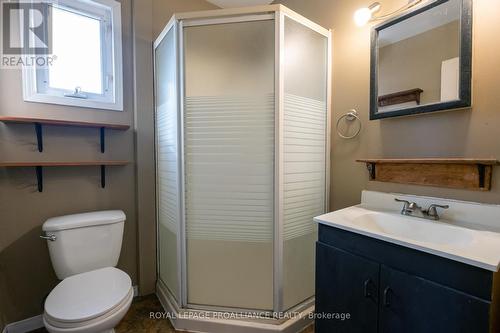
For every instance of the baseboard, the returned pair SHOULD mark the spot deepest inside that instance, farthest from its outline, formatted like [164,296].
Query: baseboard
[25,325]
[36,322]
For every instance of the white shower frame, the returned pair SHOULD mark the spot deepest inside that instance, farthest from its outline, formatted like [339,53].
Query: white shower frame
[278,13]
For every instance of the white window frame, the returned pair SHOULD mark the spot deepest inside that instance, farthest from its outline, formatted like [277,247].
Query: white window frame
[34,78]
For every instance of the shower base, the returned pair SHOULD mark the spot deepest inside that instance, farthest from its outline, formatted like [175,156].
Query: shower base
[209,321]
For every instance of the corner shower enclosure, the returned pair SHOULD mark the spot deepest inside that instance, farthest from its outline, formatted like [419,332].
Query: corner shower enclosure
[242,155]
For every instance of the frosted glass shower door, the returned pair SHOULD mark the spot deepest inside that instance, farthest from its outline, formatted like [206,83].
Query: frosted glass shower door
[304,155]
[167,161]
[229,163]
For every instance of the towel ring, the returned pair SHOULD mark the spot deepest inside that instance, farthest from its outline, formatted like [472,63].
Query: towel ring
[352,115]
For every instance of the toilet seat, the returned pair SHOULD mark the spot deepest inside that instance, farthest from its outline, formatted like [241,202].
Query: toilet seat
[90,298]
[104,323]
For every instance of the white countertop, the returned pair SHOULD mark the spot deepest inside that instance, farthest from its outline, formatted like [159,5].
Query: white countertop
[468,232]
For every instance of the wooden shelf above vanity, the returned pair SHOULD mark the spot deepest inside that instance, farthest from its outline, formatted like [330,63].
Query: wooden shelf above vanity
[461,173]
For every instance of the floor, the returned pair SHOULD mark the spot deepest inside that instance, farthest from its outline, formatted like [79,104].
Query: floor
[137,319]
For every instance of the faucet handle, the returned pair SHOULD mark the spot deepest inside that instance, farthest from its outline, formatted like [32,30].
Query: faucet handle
[405,206]
[401,200]
[432,211]
[414,206]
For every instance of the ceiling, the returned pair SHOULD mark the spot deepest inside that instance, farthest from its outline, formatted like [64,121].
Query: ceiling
[239,3]
[428,20]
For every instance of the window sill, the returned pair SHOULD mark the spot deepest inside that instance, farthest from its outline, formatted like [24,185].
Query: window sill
[79,102]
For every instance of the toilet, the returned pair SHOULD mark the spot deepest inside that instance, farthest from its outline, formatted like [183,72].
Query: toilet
[93,295]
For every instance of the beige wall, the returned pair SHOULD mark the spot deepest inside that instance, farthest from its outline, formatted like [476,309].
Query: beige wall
[408,64]
[144,143]
[26,274]
[470,133]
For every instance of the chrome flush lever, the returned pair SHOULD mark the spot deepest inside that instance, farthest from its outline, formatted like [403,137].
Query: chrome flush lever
[49,237]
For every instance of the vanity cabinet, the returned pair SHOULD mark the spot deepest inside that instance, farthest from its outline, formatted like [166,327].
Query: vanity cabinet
[392,289]
[346,283]
[412,304]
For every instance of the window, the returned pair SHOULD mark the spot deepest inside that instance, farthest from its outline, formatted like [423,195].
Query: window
[86,70]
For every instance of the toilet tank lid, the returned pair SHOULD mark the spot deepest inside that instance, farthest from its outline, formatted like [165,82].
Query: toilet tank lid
[83,220]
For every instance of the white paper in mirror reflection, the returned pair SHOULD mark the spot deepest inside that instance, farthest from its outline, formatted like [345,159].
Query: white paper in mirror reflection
[450,75]
[420,53]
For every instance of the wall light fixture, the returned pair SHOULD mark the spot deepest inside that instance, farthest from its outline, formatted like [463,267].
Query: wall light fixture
[367,14]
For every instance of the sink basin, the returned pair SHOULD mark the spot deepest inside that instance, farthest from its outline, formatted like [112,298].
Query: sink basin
[415,229]
[468,232]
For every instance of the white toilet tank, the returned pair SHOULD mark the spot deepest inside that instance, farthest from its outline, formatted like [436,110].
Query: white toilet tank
[84,242]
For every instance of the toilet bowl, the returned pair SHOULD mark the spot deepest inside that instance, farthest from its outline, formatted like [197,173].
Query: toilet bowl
[93,295]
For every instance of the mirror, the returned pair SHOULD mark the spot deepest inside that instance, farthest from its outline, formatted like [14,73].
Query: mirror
[421,61]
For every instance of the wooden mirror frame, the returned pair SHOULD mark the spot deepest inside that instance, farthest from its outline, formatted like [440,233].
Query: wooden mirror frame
[465,85]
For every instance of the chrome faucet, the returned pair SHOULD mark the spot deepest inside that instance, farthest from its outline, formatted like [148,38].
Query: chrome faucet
[413,209]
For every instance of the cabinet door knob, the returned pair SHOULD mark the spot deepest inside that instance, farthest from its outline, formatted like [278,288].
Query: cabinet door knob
[366,290]
[386,301]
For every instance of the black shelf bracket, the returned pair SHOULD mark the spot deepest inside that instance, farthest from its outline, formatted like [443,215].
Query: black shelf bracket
[101,132]
[103,176]
[39,139]
[371,170]
[39,177]
[482,171]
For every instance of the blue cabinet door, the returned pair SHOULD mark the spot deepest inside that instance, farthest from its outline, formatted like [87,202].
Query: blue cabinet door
[412,304]
[346,284]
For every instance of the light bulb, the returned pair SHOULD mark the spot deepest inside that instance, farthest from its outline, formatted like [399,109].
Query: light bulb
[362,16]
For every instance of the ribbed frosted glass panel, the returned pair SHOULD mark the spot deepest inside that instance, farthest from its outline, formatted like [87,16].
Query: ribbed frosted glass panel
[167,160]
[229,158]
[304,163]
[229,163]
[168,167]
[304,154]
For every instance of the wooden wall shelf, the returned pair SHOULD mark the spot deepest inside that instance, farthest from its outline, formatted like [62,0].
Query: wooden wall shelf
[412,95]
[54,122]
[462,173]
[62,164]
[38,122]
[39,167]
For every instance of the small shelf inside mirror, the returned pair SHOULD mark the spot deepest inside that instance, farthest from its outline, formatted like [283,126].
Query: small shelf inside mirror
[400,97]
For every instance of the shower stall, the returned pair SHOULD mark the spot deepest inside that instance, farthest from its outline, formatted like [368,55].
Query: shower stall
[242,155]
